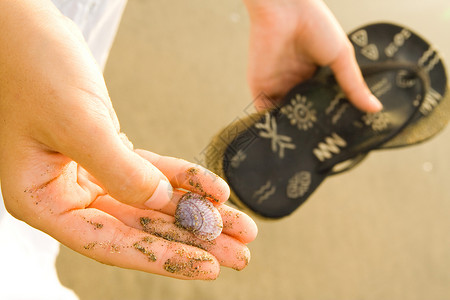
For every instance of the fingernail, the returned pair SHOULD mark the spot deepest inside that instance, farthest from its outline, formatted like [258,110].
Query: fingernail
[161,196]
[376,103]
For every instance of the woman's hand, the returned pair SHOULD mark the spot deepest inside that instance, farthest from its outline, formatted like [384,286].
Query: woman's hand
[66,169]
[289,39]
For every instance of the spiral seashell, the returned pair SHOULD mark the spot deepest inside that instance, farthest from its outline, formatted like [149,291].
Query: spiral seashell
[198,215]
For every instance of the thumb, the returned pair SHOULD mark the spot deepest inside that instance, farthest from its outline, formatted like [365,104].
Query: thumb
[123,174]
[349,77]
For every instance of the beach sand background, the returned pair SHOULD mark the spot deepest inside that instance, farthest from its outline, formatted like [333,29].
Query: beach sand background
[177,75]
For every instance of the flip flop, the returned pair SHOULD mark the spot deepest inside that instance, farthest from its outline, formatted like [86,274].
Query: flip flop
[274,160]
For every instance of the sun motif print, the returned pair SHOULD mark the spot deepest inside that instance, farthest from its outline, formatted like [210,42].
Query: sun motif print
[300,112]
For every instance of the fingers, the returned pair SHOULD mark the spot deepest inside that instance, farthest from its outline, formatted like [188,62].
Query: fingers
[192,177]
[350,79]
[235,223]
[108,240]
[189,176]
[238,224]
[148,240]
[59,209]
[228,250]
[141,179]
[120,171]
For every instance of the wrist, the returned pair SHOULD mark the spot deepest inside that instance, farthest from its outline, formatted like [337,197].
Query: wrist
[267,10]
[258,9]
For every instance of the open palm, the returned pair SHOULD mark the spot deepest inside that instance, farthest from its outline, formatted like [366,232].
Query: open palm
[66,169]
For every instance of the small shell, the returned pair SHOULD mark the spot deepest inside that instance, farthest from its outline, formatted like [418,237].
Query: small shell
[196,214]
